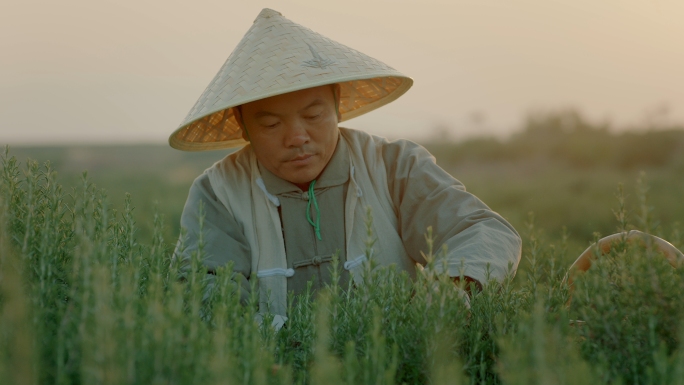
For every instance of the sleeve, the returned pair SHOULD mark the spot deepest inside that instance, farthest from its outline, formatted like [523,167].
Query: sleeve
[480,243]
[223,239]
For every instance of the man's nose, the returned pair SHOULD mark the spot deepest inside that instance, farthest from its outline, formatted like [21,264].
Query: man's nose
[296,135]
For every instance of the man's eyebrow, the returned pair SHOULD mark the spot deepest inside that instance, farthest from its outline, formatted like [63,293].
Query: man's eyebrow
[261,114]
[315,102]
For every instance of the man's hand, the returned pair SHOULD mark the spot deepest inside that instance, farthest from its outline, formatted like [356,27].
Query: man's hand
[470,283]
[277,323]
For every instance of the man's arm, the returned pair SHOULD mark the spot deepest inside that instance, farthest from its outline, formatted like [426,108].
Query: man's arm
[479,241]
[223,239]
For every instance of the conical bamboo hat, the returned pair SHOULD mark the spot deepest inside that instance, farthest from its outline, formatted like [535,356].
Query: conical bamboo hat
[277,56]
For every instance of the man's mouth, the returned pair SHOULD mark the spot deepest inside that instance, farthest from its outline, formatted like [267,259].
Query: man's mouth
[301,159]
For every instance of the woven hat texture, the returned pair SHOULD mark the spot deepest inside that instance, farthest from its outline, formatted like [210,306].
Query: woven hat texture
[277,56]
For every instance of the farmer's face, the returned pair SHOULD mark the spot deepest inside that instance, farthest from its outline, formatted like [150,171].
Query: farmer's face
[293,135]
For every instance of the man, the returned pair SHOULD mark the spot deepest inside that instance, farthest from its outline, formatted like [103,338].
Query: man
[300,189]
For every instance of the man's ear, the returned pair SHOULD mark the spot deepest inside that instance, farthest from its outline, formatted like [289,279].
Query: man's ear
[337,91]
[237,114]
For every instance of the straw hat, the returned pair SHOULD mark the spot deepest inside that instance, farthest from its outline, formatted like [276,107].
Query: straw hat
[277,56]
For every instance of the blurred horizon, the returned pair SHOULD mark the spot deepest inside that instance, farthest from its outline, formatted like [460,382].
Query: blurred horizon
[566,121]
[123,72]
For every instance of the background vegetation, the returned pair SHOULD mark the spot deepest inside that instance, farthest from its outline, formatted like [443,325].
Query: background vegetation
[560,166]
[89,293]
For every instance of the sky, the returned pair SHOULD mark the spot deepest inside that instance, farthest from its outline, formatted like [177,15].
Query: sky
[125,71]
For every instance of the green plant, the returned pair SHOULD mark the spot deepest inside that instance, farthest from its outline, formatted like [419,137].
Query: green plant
[84,300]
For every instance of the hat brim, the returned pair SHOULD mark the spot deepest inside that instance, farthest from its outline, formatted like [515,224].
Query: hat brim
[358,95]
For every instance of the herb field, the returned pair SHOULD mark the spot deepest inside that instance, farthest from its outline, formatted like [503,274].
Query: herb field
[90,293]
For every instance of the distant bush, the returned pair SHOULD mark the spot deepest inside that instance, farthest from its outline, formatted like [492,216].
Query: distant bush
[566,137]
[650,149]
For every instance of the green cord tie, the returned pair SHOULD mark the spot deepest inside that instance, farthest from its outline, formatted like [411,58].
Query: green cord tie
[312,197]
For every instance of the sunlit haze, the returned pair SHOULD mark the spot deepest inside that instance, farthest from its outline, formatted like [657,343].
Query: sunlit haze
[79,71]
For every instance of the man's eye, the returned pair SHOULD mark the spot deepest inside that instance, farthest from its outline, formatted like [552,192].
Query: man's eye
[313,117]
[274,125]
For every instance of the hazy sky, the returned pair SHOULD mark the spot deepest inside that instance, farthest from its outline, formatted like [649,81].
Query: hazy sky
[124,70]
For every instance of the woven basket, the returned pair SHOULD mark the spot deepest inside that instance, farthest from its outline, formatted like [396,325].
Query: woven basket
[584,261]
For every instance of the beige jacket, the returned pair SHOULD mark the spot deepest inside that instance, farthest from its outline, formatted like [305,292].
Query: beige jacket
[401,184]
